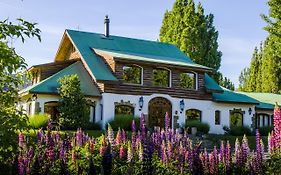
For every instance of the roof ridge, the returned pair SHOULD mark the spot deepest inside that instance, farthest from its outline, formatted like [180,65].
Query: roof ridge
[146,40]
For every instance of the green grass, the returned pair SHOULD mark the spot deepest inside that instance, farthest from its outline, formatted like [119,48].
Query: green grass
[38,121]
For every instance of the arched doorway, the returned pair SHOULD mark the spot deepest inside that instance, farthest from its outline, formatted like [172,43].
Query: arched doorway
[157,108]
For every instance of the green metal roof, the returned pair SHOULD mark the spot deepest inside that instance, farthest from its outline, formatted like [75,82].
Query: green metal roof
[51,84]
[151,50]
[211,84]
[267,100]
[229,96]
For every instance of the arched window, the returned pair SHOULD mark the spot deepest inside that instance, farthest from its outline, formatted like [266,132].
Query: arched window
[51,108]
[188,80]
[193,115]
[132,74]
[161,77]
[236,118]
[124,109]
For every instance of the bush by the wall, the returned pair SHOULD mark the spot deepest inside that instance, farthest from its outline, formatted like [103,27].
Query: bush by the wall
[38,121]
[94,126]
[239,130]
[124,121]
[201,127]
[265,130]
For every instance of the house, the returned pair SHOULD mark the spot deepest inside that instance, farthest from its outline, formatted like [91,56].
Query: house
[133,76]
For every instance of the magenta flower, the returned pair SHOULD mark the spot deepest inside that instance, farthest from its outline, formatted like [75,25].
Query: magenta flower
[21,139]
[277,126]
[123,136]
[118,137]
[122,152]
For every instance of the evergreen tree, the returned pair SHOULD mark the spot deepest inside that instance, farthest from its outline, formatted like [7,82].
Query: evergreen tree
[73,108]
[243,79]
[193,32]
[253,71]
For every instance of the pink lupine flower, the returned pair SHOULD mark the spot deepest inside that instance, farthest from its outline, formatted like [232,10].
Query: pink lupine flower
[21,139]
[21,166]
[118,137]
[277,126]
[110,135]
[122,152]
[74,156]
[103,146]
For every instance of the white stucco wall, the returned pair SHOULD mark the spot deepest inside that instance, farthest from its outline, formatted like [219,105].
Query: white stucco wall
[43,98]
[208,109]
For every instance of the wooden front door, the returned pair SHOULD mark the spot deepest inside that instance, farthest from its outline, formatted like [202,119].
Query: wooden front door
[157,109]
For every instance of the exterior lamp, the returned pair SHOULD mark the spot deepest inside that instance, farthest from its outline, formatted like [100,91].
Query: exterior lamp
[140,103]
[250,111]
[34,97]
[181,105]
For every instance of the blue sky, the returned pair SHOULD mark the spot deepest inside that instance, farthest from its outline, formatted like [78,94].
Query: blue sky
[238,22]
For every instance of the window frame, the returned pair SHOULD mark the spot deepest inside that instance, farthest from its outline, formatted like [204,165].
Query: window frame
[169,80]
[195,82]
[236,111]
[141,74]
[197,110]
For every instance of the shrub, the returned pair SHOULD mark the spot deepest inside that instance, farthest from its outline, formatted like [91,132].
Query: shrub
[239,130]
[94,126]
[265,130]
[124,121]
[201,127]
[38,121]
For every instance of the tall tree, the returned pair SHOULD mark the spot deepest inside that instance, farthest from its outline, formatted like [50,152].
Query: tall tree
[193,32]
[243,79]
[73,108]
[12,68]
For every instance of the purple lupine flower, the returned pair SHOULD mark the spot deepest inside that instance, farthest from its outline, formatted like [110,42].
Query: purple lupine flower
[169,150]
[258,147]
[118,139]
[122,152]
[50,125]
[142,126]
[92,145]
[40,135]
[21,166]
[133,126]
[167,121]
[123,136]
[79,137]
[205,161]
[213,168]
[62,152]
[21,139]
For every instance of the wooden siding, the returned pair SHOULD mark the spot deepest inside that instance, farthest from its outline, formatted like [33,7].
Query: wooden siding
[147,88]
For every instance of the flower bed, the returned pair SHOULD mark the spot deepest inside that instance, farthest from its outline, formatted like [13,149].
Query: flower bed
[163,151]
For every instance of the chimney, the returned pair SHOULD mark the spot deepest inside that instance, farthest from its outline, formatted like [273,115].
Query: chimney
[106,26]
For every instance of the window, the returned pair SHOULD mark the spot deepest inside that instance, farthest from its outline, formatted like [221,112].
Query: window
[188,80]
[217,117]
[132,74]
[236,119]
[193,115]
[161,77]
[124,109]
[263,120]
[94,113]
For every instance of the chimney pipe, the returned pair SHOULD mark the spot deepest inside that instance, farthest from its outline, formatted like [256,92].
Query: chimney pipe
[106,26]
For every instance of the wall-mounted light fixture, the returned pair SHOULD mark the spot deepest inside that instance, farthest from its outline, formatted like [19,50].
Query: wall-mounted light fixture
[34,97]
[140,103]
[250,111]
[181,106]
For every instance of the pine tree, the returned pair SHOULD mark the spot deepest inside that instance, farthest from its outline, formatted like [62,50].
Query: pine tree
[251,84]
[193,32]
[243,79]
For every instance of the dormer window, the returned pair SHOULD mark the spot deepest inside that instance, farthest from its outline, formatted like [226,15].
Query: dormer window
[132,74]
[188,80]
[161,77]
